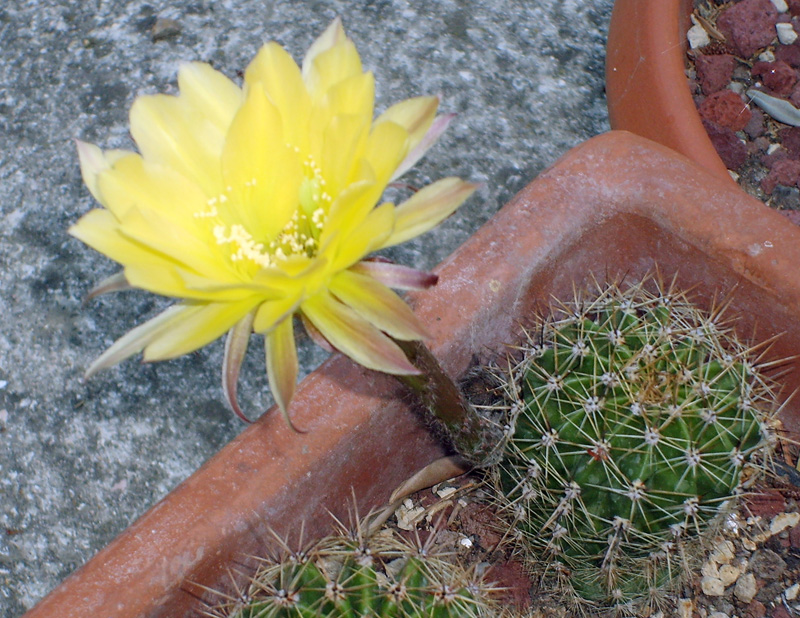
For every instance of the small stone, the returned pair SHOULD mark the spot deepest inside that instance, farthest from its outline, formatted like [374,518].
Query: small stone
[710,569]
[685,608]
[786,33]
[790,54]
[714,72]
[712,586]
[790,594]
[767,56]
[780,5]
[729,147]
[165,28]
[778,76]
[723,552]
[784,172]
[726,109]
[794,6]
[782,521]
[755,126]
[728,574]
[718,615]
[755,609]
[749,25]
[745,589]
[794,537]
[766,564]
[697,37]
[780,612]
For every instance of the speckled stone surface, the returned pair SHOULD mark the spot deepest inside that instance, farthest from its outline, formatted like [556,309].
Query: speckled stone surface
[79,462]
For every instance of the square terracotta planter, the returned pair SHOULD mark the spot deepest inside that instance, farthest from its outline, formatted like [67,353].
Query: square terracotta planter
[616,205]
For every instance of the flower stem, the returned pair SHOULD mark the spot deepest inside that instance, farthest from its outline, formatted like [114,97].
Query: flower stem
[474,437]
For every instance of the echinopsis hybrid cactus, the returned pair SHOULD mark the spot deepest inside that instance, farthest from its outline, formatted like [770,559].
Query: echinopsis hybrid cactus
[380,576]
[633,417]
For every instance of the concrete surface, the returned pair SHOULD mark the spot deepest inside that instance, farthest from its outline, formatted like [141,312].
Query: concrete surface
[79,462]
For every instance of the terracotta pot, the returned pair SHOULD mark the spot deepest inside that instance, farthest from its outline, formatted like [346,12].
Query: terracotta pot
[616,205]
[646,85]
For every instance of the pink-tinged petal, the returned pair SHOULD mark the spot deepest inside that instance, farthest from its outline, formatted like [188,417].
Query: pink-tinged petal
[316,336]
[135,340]
[114,283]
[354,336]
[415,115]
[427,208]
[396,276]
[378,305]
[235,350]
[282,366]
[438,127]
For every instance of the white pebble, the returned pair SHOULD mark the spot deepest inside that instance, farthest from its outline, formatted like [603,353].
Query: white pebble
[767,56]
[685,608]
[780,5]
[791,592]
[786,33]
[772,148]
[782,521]
[465,542]
[745,588]
[712,586]
[697,37]
[723,552]
[718,615]
[728,574]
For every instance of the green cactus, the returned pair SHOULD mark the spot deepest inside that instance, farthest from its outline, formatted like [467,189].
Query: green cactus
[378,577]
[633,416]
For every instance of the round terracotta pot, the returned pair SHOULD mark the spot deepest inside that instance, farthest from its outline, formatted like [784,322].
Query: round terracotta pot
[616,206]
[646,86]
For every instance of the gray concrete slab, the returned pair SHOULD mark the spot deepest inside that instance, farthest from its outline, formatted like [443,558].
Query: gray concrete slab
[79,462]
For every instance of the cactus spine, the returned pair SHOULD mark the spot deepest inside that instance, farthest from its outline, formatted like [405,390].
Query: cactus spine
[377,577]
[633,416]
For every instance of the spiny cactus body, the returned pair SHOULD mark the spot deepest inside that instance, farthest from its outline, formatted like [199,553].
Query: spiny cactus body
[634,416]
[378,577]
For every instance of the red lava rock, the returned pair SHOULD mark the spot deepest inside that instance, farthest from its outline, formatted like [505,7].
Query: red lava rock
[729,147]
[790,140]
[768,503]
[794,98]
[781,612]
[714,72]
[778,76]
[790,54]
[769,160]
[755,126]
[785,172]
[794,533]
[726,109]
[515,584]
[755,609]
[749,25]
[794,6]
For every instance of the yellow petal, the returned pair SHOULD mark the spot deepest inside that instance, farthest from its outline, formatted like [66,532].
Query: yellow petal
[331,67]
[171,280]
[235,350]
[281,355]
[386,148]
[276,72]
[378,305]
[273,312]
[99,229]
[349,209]
[209,92]
[342,146]
[354,336]
[427,208]
[262,172]
[94,161]
[209,322]
[414,115]
[365,238]
[333,35]
[135,340]
[170,132]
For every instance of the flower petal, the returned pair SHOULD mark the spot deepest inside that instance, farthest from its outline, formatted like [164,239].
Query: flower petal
[114,283]
[370,235]
[203,326]
[333,35]
[378,305]
[281,355]
[429,139]
[278,75]
[414,115]
[386,148]
[235,349]
[135,340]
[396,276]
[94,161]
[260,169]
[171,133]
[428,207]
[273,312]
[99,229]
[209,92]
[354,336]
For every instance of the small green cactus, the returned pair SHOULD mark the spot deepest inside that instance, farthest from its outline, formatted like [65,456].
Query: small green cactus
[378,577]
[632,419]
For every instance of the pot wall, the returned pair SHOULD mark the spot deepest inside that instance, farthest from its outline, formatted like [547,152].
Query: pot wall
[615,206]
[646,85]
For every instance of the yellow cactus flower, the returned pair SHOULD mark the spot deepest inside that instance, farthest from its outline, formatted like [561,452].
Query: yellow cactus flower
[250,205]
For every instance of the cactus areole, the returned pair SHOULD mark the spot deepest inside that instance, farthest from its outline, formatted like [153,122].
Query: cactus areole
[635,415]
